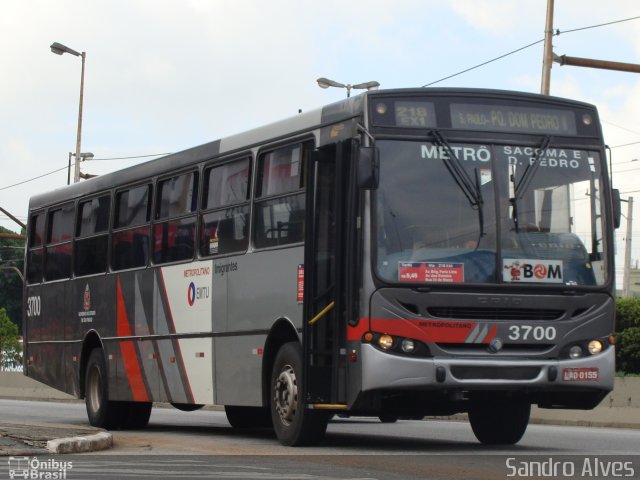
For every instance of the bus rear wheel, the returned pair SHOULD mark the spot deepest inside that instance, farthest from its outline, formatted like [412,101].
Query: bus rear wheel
[101,411]
[293,423]
[499,421]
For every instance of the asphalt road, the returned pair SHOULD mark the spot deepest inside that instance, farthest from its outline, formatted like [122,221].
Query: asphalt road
[174,443]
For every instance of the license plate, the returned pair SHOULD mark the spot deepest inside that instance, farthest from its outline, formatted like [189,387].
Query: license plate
[580,374]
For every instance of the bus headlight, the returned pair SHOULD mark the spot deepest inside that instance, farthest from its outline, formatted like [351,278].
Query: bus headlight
[575,351]
[595,347]
[385,341]
[408,345]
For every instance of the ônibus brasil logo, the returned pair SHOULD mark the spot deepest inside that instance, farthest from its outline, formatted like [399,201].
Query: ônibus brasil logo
[196,293]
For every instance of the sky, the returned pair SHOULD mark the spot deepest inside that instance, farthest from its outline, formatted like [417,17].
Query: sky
[165,75]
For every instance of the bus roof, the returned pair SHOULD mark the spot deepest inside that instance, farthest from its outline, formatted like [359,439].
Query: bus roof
[299,124]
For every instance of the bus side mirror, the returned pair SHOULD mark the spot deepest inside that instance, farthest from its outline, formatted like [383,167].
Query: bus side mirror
[617,207]
[368,168]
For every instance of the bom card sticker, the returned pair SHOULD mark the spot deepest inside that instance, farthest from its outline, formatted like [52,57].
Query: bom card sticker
[433,272]
[520,270]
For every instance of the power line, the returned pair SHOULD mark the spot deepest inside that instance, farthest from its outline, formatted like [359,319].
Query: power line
[599,25]
[625,145]
[65,168]
[555,34]
[34,178]
[485,63]
[620,127]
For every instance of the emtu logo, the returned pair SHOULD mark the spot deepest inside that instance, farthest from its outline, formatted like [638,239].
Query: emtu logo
[196,293]
[191,294]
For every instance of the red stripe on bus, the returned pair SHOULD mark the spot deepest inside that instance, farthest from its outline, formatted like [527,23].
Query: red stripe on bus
[425,330]
[492,334]
[355,333]
[172,329]
[128,350]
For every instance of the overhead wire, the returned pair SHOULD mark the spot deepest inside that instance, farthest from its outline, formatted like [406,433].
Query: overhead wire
[67,167]
[555,34]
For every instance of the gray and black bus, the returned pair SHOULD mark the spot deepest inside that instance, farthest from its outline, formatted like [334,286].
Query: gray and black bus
[398,254]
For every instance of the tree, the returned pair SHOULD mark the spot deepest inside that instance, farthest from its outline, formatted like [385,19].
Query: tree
[9,345]
[11,253]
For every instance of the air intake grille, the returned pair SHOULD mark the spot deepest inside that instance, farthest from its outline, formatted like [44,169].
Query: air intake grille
[468,313]
[495,373]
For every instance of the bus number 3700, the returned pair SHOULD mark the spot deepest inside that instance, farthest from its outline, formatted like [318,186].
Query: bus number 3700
[528,332]
[33,306]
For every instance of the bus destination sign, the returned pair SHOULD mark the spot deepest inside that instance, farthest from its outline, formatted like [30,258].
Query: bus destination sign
[414,114]
[512,119]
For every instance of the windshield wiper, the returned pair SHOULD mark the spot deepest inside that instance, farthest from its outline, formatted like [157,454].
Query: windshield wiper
[525,180]
[470,188]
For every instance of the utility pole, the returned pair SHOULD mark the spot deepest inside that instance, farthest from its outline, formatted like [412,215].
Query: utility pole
[547,58]
[626,281]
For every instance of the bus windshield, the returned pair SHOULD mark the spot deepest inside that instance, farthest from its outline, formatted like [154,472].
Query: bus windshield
[489,213]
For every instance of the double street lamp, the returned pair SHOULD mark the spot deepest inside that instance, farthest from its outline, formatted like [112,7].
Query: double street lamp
[326,83]
[59,49]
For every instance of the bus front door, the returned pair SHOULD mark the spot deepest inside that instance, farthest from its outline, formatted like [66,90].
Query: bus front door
[328,282]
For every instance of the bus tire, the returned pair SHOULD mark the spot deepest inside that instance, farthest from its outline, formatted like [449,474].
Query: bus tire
[134,415]
[294,425]
[499,422]
[102,412]
[387,418]
[248,417]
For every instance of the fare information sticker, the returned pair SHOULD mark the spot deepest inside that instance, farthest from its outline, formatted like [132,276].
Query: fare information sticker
[433,272]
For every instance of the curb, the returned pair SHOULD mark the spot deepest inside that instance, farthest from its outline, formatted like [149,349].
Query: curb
[90,443]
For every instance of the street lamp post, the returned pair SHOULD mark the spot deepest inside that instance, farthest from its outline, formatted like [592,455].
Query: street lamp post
[83,156]
[326,83]
[59,49]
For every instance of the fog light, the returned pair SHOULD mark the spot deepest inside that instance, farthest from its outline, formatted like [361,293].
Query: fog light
[595,346]
[408,346]
[575,351]
[385,341]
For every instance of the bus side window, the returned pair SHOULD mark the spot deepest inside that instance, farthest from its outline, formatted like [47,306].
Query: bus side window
[279,212]
[130,243]
[35,254]
[224,227]
[92,236]
[174,233]
[57,263]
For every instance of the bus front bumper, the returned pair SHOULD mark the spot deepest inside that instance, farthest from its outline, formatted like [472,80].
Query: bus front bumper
[381,370]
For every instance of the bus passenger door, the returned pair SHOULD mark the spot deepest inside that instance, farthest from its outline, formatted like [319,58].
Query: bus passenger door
[326,289]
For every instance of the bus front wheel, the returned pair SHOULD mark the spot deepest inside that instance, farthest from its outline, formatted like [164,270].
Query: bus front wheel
[294,424]
[499,421]
[101,411]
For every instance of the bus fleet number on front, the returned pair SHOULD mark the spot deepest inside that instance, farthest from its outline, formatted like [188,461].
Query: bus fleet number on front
[33,306]
[528,332]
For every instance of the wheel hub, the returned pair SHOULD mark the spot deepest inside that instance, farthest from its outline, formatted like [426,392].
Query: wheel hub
[286,394]
[94,389]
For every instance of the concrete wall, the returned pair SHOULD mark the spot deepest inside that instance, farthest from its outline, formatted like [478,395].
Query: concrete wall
[621,408]
[16,385]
